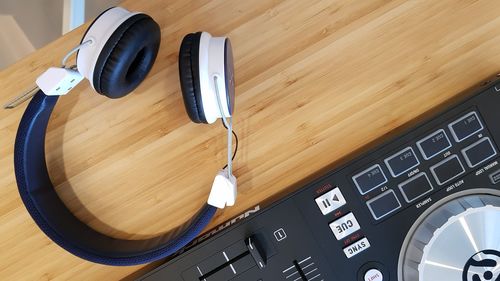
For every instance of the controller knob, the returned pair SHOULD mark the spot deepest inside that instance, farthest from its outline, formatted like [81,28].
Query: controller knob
[458,240]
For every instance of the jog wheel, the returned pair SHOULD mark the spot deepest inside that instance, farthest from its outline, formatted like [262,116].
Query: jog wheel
[458,240]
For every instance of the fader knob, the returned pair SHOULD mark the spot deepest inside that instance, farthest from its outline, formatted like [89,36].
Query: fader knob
[256,251]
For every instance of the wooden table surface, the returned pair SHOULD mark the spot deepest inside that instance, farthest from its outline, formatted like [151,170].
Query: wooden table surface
[316,80]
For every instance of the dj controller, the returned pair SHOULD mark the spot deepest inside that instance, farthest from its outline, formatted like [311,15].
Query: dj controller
[424,206]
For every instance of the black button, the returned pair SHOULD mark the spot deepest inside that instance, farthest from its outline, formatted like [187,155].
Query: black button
[479,152]
[495,177]
[369,179]
[384,204]
[434,144]
[465,126]
[447,170]
[415,187]
[402,161]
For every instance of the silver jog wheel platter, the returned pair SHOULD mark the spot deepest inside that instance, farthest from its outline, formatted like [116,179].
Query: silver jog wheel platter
[455,241]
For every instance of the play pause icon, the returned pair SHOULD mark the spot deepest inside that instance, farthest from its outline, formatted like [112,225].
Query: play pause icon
[326,201]
[330,201]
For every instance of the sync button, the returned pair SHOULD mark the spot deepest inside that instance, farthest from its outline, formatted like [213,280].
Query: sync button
[356,248]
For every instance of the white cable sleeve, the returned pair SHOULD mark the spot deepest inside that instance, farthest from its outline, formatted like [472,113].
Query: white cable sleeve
[229,126]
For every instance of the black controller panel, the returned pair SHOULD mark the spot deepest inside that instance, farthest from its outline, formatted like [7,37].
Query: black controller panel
[350,224]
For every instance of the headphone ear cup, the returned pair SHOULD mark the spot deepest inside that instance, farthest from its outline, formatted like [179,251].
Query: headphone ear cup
[127,57]
[189,76]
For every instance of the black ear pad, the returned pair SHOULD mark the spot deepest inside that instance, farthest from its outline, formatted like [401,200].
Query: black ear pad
[127,57]
[189,75]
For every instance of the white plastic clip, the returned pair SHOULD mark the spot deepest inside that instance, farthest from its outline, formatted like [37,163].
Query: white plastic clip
[224,190]
[58,81]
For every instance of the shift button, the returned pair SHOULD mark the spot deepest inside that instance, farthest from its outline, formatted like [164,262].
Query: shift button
[374,275]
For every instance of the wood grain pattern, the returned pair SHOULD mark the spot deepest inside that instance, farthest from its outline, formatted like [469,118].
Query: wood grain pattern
[316,80]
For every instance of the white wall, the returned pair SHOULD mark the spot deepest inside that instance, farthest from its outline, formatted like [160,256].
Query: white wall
[94,7]
[38,21]
[41,21]
[14,42]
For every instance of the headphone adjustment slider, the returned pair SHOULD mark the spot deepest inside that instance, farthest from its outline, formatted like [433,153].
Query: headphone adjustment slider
[224,190]
[57,81]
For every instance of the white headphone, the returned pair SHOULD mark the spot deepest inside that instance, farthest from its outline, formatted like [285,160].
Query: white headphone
[115,55]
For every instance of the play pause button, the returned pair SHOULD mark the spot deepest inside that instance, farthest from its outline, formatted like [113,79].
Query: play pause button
[330,201]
